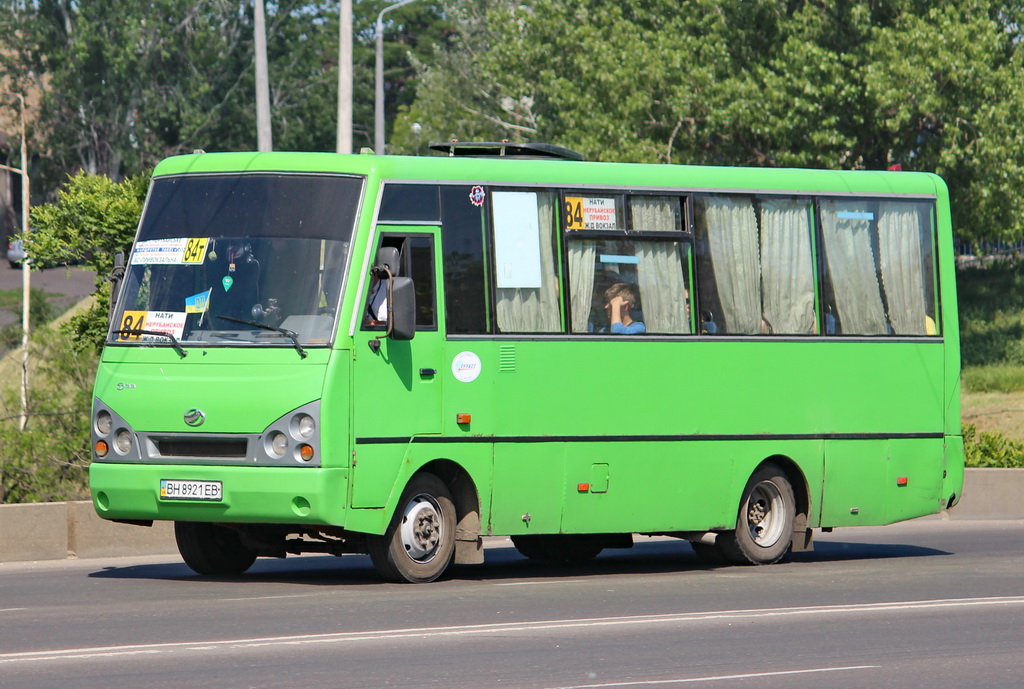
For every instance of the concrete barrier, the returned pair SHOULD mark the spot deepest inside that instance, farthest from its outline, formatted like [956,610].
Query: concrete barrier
[991,494]
[58,530]
[34,531]
[90,536]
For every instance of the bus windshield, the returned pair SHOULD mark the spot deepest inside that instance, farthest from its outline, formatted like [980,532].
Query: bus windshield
[239,260]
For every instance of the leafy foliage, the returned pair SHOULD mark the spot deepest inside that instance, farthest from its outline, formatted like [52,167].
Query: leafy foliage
[126,84]
[48,461]
[991,302]
[991,450]
[861,84]
[93,218]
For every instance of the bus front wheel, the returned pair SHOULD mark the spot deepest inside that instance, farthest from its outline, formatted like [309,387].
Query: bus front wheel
[420,541]
[764,528]
[212,550]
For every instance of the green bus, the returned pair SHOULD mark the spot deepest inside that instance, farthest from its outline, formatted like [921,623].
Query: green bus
[393,355]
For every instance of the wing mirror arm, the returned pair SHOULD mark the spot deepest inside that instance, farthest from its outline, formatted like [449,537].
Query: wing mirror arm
[115,278]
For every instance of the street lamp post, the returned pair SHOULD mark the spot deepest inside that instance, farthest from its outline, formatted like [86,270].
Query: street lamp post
[345,77]
[25,273]
[378,104]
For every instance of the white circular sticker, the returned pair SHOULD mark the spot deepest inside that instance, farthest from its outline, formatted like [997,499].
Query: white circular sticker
[466,366]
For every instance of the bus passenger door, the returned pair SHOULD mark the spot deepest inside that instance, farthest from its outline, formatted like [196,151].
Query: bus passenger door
[397,388]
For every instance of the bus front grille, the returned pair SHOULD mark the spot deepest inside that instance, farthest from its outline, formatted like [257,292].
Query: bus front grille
[201,447]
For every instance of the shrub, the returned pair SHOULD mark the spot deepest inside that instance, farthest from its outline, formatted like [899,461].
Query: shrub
[991,450]
[49,459]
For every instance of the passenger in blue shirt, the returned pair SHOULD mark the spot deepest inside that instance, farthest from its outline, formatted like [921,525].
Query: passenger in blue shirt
[619,301]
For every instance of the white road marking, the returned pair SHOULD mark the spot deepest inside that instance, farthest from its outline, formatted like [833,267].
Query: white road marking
[499,628]
[293,595]
[12,609]
[539,583]
[719,678]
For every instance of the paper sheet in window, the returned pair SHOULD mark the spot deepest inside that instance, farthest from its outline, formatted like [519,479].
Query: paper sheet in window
[516,240]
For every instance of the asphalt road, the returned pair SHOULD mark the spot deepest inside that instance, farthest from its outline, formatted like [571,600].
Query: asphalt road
[924,604]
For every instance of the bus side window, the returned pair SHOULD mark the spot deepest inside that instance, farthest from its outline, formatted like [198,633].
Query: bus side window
[880,266]
[526,276]
[755,265]
[466,283]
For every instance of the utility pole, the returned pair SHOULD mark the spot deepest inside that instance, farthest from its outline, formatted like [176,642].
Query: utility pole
[378,104]
[264,141]
[345,77]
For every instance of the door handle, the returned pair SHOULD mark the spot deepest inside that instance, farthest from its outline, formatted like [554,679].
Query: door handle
[426,372]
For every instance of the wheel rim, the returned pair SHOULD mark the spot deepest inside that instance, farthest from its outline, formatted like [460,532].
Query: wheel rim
[422,527]
[766,514]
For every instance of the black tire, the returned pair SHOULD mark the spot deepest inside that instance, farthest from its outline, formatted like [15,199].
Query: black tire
[764,527]
[419,544]
[212,550]
[559,547]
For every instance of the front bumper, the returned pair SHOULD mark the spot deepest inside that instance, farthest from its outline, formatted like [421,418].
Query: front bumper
[260,495]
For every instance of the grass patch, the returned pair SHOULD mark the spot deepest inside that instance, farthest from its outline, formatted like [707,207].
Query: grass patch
[995,378]
[994,412]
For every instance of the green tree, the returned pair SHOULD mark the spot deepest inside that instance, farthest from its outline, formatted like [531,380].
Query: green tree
[864,84]
[92,218]
[126,84]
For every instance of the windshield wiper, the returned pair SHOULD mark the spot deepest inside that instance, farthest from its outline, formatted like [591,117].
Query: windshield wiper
[287,333]
[174,341]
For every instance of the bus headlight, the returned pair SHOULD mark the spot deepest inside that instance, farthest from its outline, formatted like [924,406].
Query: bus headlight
[304,426]
[123,441]
[293,438]
[278,444]
[104,423]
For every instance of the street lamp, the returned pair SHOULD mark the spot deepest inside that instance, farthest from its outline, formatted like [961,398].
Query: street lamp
[378,103]
[25,274]
[345,77]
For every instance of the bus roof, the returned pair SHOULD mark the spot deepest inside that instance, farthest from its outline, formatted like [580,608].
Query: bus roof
[564,173]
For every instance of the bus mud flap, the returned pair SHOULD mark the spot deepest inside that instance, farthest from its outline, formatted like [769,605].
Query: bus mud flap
[469,551]
[802,536]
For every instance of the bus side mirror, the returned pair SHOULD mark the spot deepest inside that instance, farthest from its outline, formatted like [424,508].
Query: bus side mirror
[115,277]
[402,325]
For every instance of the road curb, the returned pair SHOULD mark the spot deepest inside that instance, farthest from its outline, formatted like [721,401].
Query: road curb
[59,530]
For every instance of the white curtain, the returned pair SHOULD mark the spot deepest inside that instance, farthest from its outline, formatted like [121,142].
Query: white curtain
[732,239]
[899,249]
[787,273]
[582,257]
[660,276]
[535,310]
[846,229]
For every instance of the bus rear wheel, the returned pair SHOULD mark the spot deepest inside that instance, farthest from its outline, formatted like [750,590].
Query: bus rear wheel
[764,528]
[419,543]
[212,550]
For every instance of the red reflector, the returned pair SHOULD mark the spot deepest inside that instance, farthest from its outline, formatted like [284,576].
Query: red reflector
[583,487]
[463,418]
[901,481]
